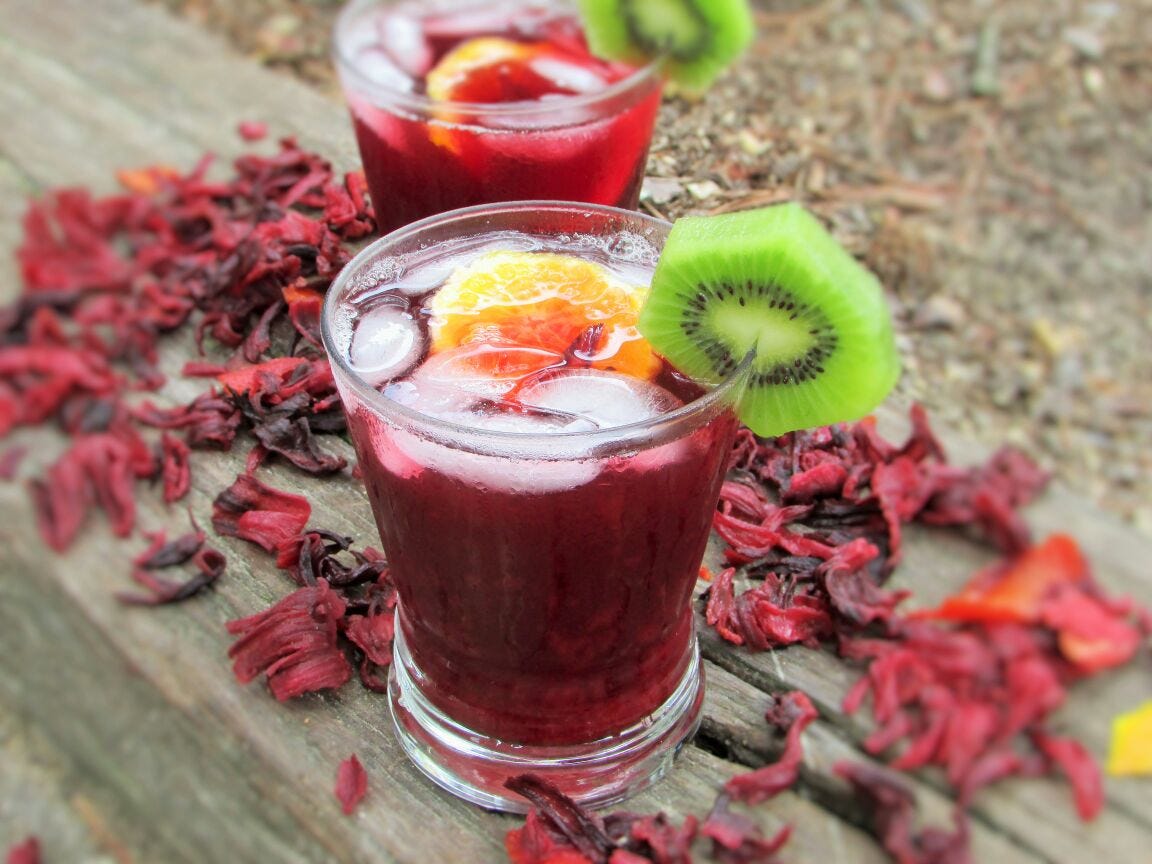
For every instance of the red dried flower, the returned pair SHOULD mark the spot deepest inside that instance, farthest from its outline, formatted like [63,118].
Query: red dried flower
[176,471]
[98,470]
[27,852]
[736,839]
[294,643]
[791,712]
[351,783]
[252,130]
[105,277]
[304,306]
[260,514]
[1079,767]
[894,814]
[536,843]
[816,517]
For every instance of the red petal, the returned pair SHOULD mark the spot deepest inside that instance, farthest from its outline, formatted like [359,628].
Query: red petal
[351,783]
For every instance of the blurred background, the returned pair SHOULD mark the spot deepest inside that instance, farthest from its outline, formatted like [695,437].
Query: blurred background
[990,160]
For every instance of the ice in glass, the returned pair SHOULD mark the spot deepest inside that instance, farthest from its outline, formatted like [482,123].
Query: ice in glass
[543,484]
[456,103]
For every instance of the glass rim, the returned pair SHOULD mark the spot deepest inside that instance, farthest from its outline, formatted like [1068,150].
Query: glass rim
[643,433]
[423,104]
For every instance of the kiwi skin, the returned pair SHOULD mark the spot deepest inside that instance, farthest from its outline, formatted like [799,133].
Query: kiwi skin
[695,40]
[773,281]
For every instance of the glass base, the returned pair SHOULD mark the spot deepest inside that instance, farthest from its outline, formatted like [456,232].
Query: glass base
[475,767]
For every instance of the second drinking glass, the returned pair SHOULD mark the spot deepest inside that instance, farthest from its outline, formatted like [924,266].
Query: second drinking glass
[460,103]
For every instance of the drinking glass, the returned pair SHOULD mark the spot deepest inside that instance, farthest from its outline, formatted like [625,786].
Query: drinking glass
[544,622]
[423,156]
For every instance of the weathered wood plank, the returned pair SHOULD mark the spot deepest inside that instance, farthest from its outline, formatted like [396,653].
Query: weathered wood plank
[34,797]
[138,87]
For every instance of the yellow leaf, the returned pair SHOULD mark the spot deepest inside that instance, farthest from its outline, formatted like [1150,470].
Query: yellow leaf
[1131,750]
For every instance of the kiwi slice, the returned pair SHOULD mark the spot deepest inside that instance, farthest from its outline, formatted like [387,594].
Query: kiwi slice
[775,282]
[696,39]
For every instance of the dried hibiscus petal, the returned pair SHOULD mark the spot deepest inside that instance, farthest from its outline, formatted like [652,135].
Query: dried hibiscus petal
[373,635]
[294,643]
[293,440]
[736,839]
[1079,767]
[535,842]
[656,838]
[27,852]
[262,377]
[581,830]
[351,784]
[176,470]
[210,564]
[304,305]
[720,611]
[260,514]
[894,813]
[163,553]
[100,470]
[1091,634]
[792,712]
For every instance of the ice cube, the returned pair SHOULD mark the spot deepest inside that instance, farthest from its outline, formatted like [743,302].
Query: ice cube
[402,38]
[379,69]
[485,369]
[504,469]
[425,278]
[504,473]
[468,385]
[478,19]
[567,76]
[450,387]
[386,343]
[607,399]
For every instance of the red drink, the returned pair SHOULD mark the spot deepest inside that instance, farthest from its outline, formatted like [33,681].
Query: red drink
[544,508]
[457,104]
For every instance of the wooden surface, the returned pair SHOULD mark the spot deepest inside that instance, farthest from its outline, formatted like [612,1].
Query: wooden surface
[123,735]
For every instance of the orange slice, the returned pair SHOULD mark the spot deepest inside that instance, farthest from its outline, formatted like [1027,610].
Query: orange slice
[471,72]
[490,69]
[557,303]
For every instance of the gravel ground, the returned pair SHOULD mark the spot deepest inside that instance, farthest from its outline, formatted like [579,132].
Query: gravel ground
[990,160]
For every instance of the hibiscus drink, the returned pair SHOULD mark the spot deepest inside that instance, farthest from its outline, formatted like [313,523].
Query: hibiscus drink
[461,103]
[543,484]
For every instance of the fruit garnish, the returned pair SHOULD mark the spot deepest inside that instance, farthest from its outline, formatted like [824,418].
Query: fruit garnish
[696,40]
[491,69]
[558,303]
[775,282]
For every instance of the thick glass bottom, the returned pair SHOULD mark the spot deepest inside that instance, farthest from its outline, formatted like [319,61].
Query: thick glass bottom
[475,767]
